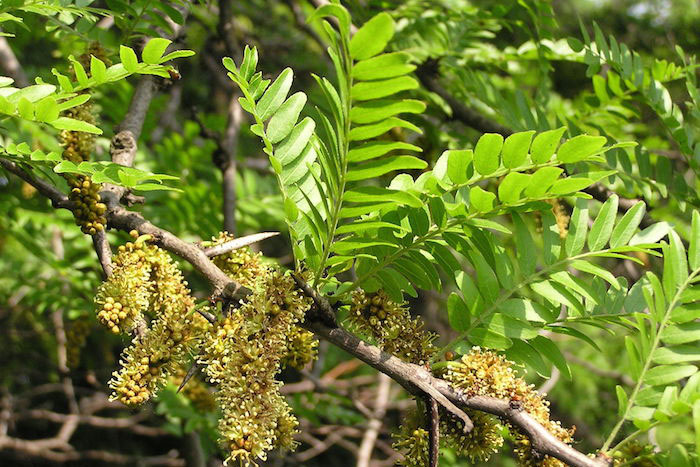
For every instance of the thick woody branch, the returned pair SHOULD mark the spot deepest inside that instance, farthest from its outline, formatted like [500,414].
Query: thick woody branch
[122,219]
[414,378]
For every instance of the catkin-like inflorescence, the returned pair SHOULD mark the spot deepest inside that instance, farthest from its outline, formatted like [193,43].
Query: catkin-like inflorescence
[392,326]
[76,335]
[88,210]
[243,355]
[144,279]
[485,373]
[126,294]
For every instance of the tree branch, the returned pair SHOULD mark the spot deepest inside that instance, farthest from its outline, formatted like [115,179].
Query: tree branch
[58,199]
[10,64]
[410,377]
[123,219]
[427,74]
[415,379]
[433,415]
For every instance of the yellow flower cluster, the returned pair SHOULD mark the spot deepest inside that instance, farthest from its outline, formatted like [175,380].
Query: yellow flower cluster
[89,212]
[302,348]
[480,443]
[412,441]
[485,373]
[241,265]
[76,335]
[243,356]
[477,445]
[127,292]
[392,326]
[145,278]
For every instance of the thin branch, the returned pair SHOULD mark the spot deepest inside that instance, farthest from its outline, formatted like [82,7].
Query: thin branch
[10,64]
[322,307]
[428,76]
[237,243]
[125,220]
[124,143]
[364,454]
[58,199]
[433,415]
[104,253]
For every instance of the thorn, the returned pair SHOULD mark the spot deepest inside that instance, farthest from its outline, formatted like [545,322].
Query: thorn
[237,243]
[190,373]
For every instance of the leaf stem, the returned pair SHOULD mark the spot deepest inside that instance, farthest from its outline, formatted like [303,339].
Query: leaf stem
[647,362]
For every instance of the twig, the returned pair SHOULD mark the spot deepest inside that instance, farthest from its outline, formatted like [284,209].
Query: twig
[323,308]
[409,376]
[433,415]
[58,199]
[125,220]
[104,253]
[10,64]
[364,454]
[428,75]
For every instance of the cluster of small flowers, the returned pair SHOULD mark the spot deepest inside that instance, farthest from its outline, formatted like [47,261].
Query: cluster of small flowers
[484,439]
[392,326]
[243,356]
[126,294]
[76,335]
[145,278]
[302,348]
[241,265]
[478,445]
[485,373]
[412,442]
[89,212]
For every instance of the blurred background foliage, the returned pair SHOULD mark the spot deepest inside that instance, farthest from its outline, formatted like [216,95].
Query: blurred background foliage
[509,60]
